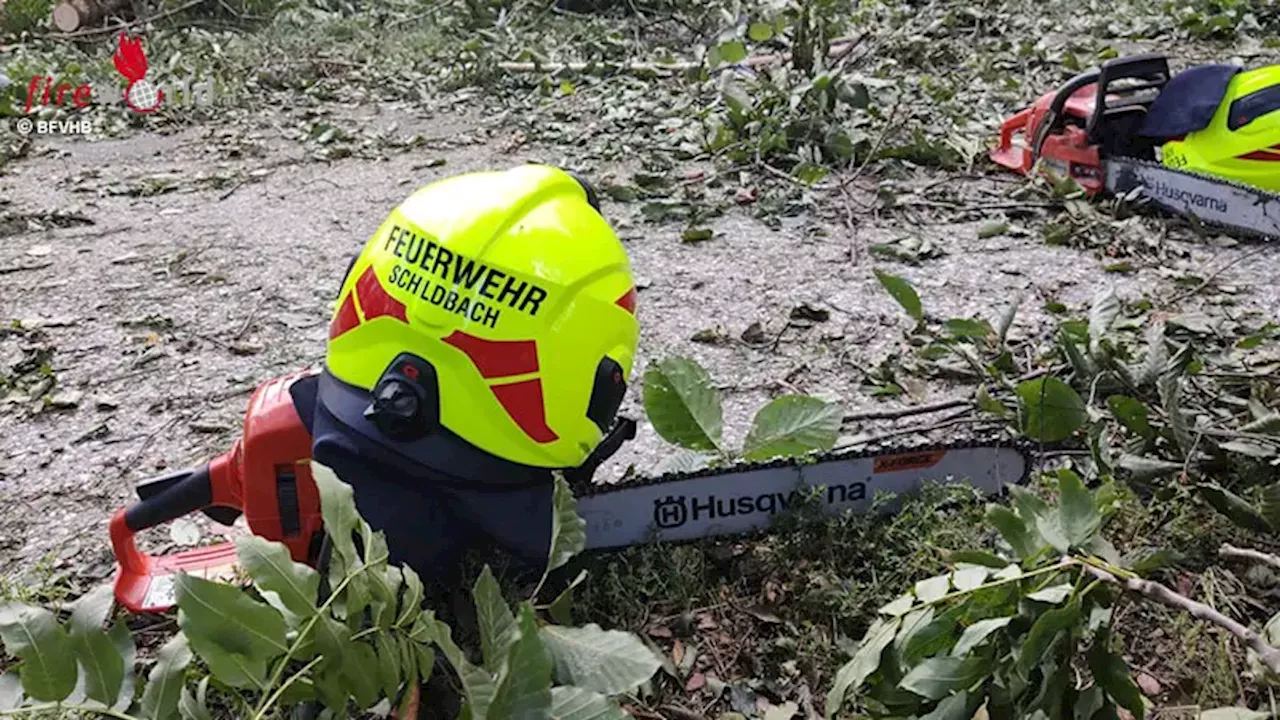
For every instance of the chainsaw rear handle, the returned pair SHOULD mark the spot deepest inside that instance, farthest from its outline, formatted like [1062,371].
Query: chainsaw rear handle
[1152,70]
[169,497]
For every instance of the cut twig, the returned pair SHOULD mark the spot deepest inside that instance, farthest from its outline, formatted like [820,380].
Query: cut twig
[1269,655]
[835,49]
[906,412]
[1230,551]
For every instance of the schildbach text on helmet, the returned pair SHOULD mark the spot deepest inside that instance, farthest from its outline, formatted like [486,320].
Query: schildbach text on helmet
[457,272]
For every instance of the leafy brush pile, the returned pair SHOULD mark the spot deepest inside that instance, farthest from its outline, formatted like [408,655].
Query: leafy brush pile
[348,641]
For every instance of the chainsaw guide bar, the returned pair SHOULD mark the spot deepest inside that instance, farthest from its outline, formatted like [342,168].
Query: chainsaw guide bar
[745,497]
[1215,202]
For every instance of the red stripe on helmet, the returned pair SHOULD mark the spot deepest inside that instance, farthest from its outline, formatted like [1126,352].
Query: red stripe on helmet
[375,301]
[523,402]
[497,358]
[346,318]
[628,301]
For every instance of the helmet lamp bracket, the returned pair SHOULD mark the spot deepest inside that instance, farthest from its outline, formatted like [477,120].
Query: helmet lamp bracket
[406,399]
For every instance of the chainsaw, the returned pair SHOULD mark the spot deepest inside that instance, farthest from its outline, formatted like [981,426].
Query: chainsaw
[266,477]
[1204,144]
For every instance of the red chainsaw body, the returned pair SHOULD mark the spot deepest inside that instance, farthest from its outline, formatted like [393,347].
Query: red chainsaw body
[1070,132]
[266,475]
[1067,153]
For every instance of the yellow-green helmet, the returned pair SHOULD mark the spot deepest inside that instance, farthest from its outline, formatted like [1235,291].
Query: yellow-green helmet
[1242,141]
[495,306]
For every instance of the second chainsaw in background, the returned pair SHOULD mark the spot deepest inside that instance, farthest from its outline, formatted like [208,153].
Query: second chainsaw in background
[1204,143]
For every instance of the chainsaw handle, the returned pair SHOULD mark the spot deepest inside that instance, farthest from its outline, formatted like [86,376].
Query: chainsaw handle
[183,492]
[1054,119]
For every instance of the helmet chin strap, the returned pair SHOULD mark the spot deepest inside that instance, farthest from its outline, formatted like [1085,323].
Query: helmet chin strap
[623,429]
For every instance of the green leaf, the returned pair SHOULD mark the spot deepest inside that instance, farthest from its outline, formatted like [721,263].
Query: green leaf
[969,578]
[902,291]
[1080,518]
[1052,409]
[1043,631]
[388,664]
[760,32]
[360,674]
[164,684]
[10,691]
[122,641]
[992,228]
[561,609]
[1265,425]
[1054,595]
[1131,413]
[1271,504]
[936,677]
[682,404]
[1157,354]
[1088,703]
[193,706]
[954,707]
[1234,507]
[1102,315]
[1233,713]
[899,606]
[1248,447]
[1006,319]
[986,403]
[411,601]
[1112,673]
[1146,468]
[524,692]
[974,329]
[338,507]
[933,588]
[568,529]
[978,557]
[102,664]
[606,661]
[976,633]
[865,661]
[575,703]
[234,634]
[1050,528]
[732,52]
[273,571]
[1170,399]
[792,425]
[33,635]
[1013,530]
[498,630]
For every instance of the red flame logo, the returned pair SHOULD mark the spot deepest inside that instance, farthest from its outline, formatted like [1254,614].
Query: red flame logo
[131,61]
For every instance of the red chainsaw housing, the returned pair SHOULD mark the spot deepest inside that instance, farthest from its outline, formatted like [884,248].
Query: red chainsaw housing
[266,475]
[1067,153]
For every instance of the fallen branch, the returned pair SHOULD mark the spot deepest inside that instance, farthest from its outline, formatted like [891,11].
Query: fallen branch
[907,412]
[71,15]
[1270,656]
[835,49]
[1230,551]
[123,27]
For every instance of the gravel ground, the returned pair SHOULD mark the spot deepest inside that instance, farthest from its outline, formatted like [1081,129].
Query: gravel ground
[165,311]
